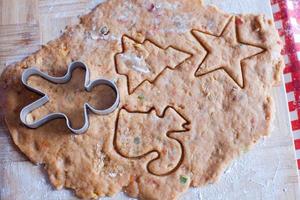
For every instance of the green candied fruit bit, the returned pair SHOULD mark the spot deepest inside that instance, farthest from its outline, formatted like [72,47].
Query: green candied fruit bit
[141,97]
[104,30]
[136,140]
[183,179]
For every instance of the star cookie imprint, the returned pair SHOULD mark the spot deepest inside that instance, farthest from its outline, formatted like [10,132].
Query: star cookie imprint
[226,52]
[88,87]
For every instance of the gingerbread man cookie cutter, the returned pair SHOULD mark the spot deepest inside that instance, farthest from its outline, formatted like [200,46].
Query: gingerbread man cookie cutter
[88,85]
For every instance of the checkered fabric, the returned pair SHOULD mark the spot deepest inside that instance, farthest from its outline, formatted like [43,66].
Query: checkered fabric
[287,20]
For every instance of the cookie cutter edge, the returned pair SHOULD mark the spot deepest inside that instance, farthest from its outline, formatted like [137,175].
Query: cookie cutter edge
[88,85]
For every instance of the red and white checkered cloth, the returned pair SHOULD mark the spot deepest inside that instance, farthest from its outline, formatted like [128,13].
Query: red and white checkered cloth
[287,20]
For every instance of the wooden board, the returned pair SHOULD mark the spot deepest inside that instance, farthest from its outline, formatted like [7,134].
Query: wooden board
[266,172]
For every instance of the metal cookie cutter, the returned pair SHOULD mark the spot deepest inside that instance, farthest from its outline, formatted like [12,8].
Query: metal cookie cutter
[88,85]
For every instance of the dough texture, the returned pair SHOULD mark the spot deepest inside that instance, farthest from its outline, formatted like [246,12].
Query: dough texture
[195,92]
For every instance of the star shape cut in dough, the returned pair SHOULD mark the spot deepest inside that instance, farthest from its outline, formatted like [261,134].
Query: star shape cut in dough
[225,52]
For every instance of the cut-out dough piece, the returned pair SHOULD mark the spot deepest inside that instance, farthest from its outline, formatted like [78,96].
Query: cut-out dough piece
[225,52]
[138,134]
[145,61]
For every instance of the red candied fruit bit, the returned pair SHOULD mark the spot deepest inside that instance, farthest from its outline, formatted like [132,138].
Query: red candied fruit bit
[239,21]
[151,7]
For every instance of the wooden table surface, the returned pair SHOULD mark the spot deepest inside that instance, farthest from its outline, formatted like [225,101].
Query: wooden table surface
[268,171]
